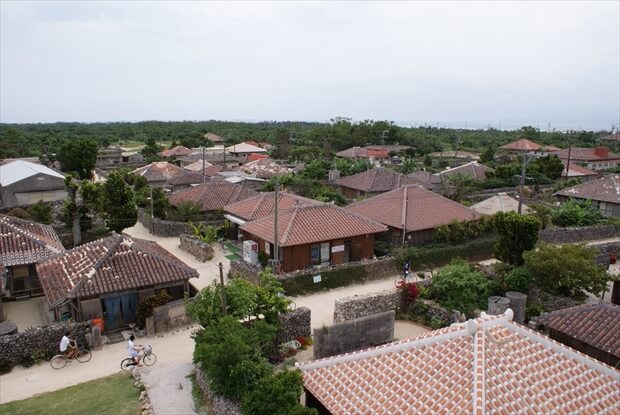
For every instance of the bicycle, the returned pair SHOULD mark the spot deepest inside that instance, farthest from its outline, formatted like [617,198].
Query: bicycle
[60,360]
[147,356]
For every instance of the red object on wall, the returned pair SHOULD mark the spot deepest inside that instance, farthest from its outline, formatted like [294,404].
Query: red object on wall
[98,322]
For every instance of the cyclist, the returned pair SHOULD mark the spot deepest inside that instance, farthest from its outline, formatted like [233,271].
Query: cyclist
[68,346]
[134,350]
[406,270]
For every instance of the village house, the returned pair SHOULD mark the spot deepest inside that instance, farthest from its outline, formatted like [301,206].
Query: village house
[244,149]
[257,207]
[488,365]
[455,154]
[115,156]
[412,211]
[265,168]
[370,154]
[500,202]
[108,278]
[213,155]
[521,146]
[576,171]
[25,183]
[372,182]
[597,158]
[214,138]
[429,181]
[185,180]
[593,329]
[212,195]
[603,192]
[158,174]
[314,235]
[178,151]
[22,245]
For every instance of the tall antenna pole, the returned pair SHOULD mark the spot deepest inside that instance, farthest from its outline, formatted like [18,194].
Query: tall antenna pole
[570,146]
[276,248]
[204,177]
[404,214]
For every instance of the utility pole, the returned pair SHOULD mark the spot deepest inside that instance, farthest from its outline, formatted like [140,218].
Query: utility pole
[223,288]
[570,146]
[526,160]
[152,211]
[405,200]
[204,177]
[276,248]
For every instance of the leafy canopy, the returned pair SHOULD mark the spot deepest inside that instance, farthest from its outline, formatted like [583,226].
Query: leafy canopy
[576,213]
[457,286]
[569,270]
[79,156]
[118,204]
[515,234]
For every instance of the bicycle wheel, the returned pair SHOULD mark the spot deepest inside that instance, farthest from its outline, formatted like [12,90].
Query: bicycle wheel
[149,359]
[58,361]
[127,364]
[84,356]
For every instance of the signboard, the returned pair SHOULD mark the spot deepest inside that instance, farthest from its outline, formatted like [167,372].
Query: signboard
[316,278]
[337,248]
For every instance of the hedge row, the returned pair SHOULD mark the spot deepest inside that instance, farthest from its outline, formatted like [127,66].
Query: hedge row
[438,255]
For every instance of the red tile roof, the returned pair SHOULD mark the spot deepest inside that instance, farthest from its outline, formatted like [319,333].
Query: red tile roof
[605,189]
[376,180]
[262,205]
[213,194]
[488,365]
[521,145]
[426,179]
[473,169]
[255,156]
[597,325]
[575,170]
[160,171]
[114,264]
[353,152]
[587,154]
[307,224]
[23,242]
[214,138]
[177,151]
[425,209]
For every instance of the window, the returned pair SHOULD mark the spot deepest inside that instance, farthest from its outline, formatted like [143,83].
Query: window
[315,254]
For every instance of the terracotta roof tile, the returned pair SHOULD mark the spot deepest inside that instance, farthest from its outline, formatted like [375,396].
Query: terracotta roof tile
[487,365]
[177,151]
[605,189]
[587,154]
[257,207]
[521,145]
[24,242]
[376,180]
[214,138]
[313,223]
[595,324]
[473,169]
[425,209]
[113,264]
[213,194]
[160,171]
[575,170]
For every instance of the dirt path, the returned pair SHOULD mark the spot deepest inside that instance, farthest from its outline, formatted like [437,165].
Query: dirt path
[170,390]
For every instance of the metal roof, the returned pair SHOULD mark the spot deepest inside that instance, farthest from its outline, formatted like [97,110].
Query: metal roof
[18,170]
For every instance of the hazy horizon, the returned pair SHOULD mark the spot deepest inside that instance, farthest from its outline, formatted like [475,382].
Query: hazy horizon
[457,65]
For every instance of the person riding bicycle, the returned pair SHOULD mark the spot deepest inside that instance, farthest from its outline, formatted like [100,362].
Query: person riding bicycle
[406,270]
[68,346]
[134,350]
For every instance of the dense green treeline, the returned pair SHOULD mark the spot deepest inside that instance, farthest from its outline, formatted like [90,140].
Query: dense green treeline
[296,140]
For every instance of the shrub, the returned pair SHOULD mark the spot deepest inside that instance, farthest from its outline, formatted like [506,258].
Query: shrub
[20,213]
[275,394]
[206,233]
[41,212]
[515,234]
[458,232]
[145,308]
[568,270]
[517,279]
[456,286]
[409,292]
[186,211]
[436,255]
[576,213]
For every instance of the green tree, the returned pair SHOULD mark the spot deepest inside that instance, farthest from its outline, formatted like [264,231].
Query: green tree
[150,151]
[569,270]
[550,166]
[428,161]
[488,155]
[41,212]
[456,186]
[186,211]
[270,298]
[118,203]
[515,234]
[457,286]
[276,394]
[408,166]
[79,156]
[206,309]
[227,355]
[576,213]
[316,169]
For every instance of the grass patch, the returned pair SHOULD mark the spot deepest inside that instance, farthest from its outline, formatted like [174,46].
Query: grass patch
[200,404]
[111,395]
[232,248]
[232,257]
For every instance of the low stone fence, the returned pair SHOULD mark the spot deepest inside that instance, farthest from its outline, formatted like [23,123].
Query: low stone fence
[201,250]
[294,324]
[354,335]
[549,302]
[168,317]
[578,234]
[357,306]
[245,271]
[160,227]
[217,404]
[35,344]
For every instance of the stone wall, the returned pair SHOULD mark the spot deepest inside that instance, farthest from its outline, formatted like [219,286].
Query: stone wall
[243,270]
[38,343]
[201,250]
[170,316]
[294,324]
[578,234]
[354,335]
[166,228]
[351,308]
[218,404]
[548,301]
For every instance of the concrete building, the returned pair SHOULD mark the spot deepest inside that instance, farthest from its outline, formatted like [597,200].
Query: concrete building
[25,183]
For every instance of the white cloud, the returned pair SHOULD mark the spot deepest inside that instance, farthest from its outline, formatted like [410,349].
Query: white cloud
[411,62]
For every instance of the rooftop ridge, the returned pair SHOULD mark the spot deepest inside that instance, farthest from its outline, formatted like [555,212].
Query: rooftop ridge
[6,220]
[289,225]
[581,307]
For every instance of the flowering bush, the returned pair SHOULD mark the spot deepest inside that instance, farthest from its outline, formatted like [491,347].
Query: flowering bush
[305,342]
[409,291]
[289,348]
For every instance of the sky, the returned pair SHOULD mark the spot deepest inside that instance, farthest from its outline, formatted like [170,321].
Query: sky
[456,64]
